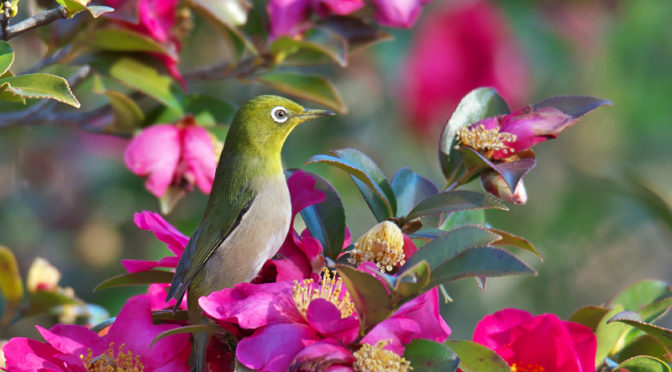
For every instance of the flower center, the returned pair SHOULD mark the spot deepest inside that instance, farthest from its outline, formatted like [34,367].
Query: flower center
[373,358]
[107,362]
[329,289]
[482,139]
[519,367]
[383,245]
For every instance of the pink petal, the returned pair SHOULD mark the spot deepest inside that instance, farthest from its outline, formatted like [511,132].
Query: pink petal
[252,305]
[288,17]
[494,330]
[27,355]
[199,156]
[302,191]
[73,339]
[272,348]
[157,17]
[157,297]
[163,230]
[398,13]
[585,344]
[325,351]
[339,7]
[409,247]
[154,153]
[397,331]
[134,266]
[325,318]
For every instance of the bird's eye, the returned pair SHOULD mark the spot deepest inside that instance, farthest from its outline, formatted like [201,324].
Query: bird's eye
[279,114]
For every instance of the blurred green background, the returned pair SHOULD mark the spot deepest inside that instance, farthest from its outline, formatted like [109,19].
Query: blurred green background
[65,194]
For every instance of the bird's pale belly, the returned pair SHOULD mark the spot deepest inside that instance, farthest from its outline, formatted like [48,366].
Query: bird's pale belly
[257,238]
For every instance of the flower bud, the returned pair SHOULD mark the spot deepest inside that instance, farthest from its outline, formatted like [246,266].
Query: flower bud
[382,245]
[495,185]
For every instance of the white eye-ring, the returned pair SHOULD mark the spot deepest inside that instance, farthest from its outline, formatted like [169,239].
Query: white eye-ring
[279,114]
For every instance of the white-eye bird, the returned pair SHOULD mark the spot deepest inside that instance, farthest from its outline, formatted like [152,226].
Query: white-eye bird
[248,213]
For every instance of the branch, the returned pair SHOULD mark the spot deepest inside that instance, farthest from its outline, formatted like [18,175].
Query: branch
[227,70]
[39,19]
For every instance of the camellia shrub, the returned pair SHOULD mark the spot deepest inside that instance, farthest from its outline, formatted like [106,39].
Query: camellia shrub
[327,301]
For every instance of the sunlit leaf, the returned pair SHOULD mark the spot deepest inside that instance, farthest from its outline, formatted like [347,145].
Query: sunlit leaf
[139,278]
[6,57]
[369,296]
[311,87]
[127,115]
[508,239]
[662,335]
[11,285]
[476,357]
[426,355]
[640,294]
[608,334]
[317,46]
[39,86]
[642,363]
[125,40]
[590,316]
[454,201]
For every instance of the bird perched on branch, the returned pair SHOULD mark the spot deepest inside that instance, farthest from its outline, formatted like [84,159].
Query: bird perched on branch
[248,213]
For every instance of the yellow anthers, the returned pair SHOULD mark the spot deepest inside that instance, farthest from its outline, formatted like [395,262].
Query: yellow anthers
[329,289]
[107,362]
[484,139]
[373,358]
[516,367]
[383,245]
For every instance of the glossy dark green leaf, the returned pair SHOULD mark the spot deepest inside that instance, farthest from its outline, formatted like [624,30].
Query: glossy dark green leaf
[511,240]
[461,218]
[662,335]
[326,220]
[124,40]
[642,363]
[139,278]
[311,87]
[39,86]
[409,189]
[411,283]
[426,355]
[575,106]
[454,201]
[355,31]
[477,105]
[590,316]
[642,345]
[446,246]
[6,56]
[476,357]
[608,334]
[194,328]
[480,261]
[378,207]
[369,296]
[427,234]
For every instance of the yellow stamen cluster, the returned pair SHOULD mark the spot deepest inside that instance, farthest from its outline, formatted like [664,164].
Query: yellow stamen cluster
[107,362]
[482,139]
[516,367]
[383,245]
[329,289]
[373,358]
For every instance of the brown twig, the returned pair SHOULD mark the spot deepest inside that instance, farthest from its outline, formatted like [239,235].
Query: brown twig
[39,19]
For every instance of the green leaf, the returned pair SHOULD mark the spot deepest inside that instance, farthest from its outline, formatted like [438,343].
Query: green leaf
[41,301]
[194,328]
[124,40]
[426,355]
[411,283]
[476,357]
[575,106]
[170,316]
[508,239]
[642,345]
[207,111]
[369,296]
[662,335]
[38,85]
[76,6]
[139,278]
[144,78]
[11,286]
[656,309]
[477,105]
[454,201]
[127,115]
[427,234]
[6,57]
[317,46]
[608,334]
[641,294]
[590,316]
[461,218]
[446,246]
[479,262]
[642,363]
[98,10]
[311,87]
[224,16]
[104,324]
[326,220]
[409,189]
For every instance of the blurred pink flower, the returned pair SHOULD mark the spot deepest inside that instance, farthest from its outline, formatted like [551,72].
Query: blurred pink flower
[75,348]
[541,342]
[288,17]
[457,49]
[180,155]
[398,13]
[325,8]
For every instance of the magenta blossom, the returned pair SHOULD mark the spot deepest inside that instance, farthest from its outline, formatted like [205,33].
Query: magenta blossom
[325,8]
[461,46]
[541,342]
[179,155]
[398,13]
[75,348]
[292,17]
[166,233]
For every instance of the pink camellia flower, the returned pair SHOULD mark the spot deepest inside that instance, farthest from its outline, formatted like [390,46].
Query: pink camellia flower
[325,8]
[458,48]
[542,342]
[288,17]
[75,348]
[179,155]
[398,13]
[166,233]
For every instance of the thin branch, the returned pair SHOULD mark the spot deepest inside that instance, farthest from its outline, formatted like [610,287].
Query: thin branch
[39,19]
[49,60]
[227,70]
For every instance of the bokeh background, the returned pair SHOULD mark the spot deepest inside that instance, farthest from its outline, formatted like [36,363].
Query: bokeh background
[65,194]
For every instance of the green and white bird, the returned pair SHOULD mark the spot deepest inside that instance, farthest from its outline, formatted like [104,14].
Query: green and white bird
[248,213]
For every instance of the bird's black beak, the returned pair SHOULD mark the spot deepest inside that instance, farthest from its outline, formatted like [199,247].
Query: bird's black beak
[314,113]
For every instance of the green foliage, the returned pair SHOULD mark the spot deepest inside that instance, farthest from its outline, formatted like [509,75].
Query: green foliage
[369,296]
[476,357]
[311,87]
[77,6]
[121,40]
[427,356]
[643,364]
[6,57]
[139,278]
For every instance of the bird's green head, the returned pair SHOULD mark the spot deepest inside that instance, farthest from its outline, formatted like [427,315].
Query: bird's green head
[264,122]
